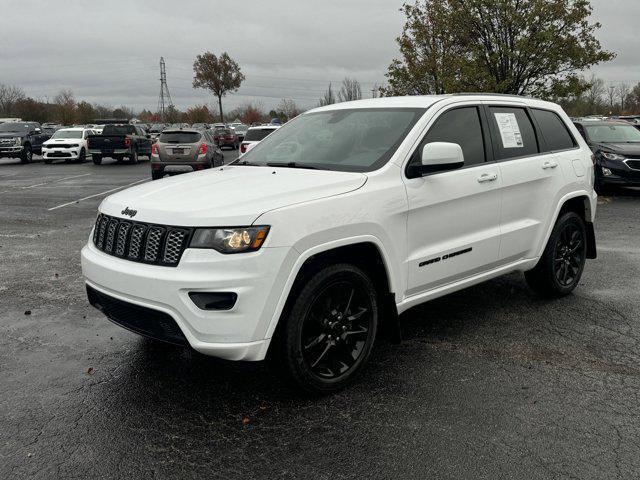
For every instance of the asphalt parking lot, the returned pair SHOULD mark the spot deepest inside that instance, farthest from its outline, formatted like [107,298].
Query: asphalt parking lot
[491,382]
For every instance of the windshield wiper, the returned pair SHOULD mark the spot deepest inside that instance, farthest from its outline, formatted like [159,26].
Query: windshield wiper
[291,165]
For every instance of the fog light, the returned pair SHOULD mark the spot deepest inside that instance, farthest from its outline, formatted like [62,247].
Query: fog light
[606,172]
[214,300]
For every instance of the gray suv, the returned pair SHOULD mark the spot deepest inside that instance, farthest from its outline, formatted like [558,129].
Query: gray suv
[184,150]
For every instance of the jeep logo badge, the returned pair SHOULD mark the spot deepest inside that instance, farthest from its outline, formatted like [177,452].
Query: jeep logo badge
[130,213]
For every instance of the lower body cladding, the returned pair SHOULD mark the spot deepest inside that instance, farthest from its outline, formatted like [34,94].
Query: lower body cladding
[171,303]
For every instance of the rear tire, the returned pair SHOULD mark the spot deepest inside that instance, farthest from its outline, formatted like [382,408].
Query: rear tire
[559,269]
[134,158]
[326,336]
[156,175]
[97,159]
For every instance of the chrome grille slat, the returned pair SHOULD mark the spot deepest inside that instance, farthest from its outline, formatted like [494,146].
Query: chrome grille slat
[141,242]
[123,234]
[152,245]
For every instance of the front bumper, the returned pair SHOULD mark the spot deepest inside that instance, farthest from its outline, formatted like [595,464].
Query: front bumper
[11,150]
[257,278]
[61,153]
[621,174]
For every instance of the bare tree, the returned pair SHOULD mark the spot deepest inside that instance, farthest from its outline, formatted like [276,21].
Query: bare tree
[328,98]
[9,95]
[66,107]
[595,93]
[288,107]
[611,95]
[350,90]
[623,91]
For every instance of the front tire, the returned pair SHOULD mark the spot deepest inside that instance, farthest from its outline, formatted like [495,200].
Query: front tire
[559,269]
[326,337]
[27,154]
[82,156]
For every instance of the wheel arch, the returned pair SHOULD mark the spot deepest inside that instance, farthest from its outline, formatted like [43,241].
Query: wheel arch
[365,252]
[581,204]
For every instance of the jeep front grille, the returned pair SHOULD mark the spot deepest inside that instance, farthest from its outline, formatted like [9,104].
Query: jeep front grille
[141,242]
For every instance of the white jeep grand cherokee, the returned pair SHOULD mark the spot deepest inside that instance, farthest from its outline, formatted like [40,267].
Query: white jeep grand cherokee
[316,239]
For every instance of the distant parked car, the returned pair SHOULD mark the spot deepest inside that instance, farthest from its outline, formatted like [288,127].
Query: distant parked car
[68,144]
[616,148]
[21,140]
[255,135]
[240,129]
[226,137]
[200,126]
[156,129]
[184,150]
[119,142]
[178,126]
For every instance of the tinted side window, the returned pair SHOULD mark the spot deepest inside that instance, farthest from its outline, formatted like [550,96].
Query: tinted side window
[513,133]
[554,130]
[461,126]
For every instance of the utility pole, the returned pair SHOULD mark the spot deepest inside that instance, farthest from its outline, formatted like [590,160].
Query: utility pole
[374,91]
[164,101]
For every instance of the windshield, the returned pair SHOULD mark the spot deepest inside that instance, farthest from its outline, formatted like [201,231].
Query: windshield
[67,134]
[353,140]
[13,127]
[612,133]
[180,137]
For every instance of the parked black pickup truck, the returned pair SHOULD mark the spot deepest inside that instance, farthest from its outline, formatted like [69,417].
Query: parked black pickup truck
[21,140]
[119,142]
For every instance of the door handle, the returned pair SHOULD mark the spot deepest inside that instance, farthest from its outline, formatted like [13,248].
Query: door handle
[487,177]
[547,165]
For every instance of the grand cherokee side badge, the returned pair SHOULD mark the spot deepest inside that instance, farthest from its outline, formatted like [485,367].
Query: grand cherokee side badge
[445,257]
[130,213]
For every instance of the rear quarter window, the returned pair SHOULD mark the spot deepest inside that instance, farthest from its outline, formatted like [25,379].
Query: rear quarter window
[554,130]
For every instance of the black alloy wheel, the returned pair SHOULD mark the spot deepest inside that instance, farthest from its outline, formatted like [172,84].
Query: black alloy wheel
[326,335]
[336,329]
[569,255]
[27,155]
[561,265]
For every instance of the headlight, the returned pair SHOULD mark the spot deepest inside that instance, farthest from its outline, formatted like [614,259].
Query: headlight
[612,156]
[230,240]
[18,141]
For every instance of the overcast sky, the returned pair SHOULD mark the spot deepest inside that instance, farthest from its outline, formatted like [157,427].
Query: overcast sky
[108,51]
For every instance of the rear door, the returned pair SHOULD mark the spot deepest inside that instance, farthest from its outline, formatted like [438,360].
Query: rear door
[532,178]
[453,219]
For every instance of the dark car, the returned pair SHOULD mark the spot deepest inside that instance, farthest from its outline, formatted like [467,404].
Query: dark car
[616,147]
[226,137]
[184,150]
[21,140]
[119,141]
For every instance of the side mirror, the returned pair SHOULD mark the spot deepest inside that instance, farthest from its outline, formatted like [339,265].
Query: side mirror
[439,157]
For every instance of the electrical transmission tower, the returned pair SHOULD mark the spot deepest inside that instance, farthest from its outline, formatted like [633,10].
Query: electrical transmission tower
[164,101]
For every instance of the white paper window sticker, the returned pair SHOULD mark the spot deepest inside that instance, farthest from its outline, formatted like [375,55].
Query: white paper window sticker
[509,130]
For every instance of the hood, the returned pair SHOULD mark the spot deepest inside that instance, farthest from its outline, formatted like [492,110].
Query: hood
[53,141]
[632,149]
[227,196]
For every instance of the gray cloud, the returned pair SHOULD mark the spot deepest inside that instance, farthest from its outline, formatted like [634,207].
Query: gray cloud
[108,52]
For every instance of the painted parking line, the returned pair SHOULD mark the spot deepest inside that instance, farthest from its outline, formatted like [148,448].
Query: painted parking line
[97,195]
[56,181]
